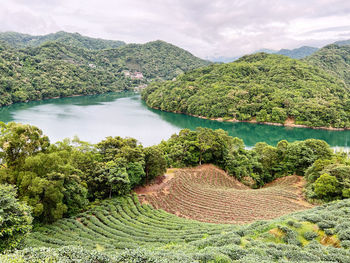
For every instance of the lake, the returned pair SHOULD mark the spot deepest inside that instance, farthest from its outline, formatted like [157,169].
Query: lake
[92,118]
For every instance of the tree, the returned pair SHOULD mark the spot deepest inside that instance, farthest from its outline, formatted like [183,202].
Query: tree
[301,155]
[206,141]
[15,218]
[18,141]
[118,179]
[155,163]
[52,186]
[326,186]
[135,172]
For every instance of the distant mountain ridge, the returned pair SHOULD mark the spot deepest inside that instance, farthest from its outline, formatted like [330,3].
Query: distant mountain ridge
[297,53]
[342,42]
[20,40]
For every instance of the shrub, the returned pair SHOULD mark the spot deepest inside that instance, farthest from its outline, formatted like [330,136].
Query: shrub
[310,235]
[15,218]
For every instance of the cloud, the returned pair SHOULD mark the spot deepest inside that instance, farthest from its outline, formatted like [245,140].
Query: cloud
[207,28]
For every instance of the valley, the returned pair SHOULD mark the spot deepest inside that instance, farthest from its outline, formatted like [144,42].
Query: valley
[212,162]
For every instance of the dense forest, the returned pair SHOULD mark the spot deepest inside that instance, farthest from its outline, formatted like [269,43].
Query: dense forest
[43,182]
[68,66]
[334,59]
[261,87]
[71,39]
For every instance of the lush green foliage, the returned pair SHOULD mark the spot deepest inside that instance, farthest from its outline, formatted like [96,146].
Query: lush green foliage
[334,59]
[120,223]
[329,179]
[155,162]
[122,230]
[58,180]
[156,59]
[54,70]
[15,218]
[72,39]
[261,164]
[268,88]
[67,67]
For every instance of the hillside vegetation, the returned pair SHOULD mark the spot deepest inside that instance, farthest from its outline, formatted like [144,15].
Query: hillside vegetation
[122,230]
[71,39]
[82,66]
[78,199]
[334,59]
[259,87]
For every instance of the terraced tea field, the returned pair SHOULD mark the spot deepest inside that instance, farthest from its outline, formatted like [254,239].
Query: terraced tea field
[122,223]
[208,194]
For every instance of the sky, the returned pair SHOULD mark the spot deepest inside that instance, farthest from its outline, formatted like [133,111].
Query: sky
[206,28]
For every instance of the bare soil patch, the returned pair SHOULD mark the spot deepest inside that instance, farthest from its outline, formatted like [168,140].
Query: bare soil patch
[208,194]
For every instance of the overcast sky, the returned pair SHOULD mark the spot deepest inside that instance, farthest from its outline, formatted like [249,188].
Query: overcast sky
[207,28]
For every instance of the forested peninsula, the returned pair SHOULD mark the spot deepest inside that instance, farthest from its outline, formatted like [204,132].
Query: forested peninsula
[262,87]
[65,64]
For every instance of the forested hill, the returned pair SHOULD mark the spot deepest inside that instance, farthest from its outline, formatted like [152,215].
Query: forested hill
[55,69]
[156,59]
[73,39]
[261,87]
[334,59]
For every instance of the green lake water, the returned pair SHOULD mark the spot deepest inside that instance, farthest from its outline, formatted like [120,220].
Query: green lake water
[93,118]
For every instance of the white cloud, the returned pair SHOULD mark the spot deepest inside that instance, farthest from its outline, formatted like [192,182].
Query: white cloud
[204,27]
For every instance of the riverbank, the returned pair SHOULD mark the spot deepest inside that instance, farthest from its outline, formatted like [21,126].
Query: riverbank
[290,122]
[286,124]
[63,97]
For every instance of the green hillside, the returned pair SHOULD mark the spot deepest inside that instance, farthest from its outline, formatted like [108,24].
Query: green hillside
[261,87]
[122,230]
[54,69]
[334,59]
[73,39]
[156,59]
[76,202]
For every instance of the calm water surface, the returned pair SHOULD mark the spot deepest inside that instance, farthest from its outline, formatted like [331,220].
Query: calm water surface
[93,118]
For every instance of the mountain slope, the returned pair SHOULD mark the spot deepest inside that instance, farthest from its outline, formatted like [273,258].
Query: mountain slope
[23,40]
[122,230]
[334,59]
[342,42]
[261,87]
[297,53]
[54,69]
[156,59]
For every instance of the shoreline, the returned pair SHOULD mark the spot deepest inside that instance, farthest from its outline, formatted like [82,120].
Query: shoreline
[70,96]
[288,122]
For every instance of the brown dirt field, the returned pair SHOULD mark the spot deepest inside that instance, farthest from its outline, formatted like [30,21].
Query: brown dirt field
[206,193]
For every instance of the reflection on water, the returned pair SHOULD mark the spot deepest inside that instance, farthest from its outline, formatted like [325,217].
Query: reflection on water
[124,114]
